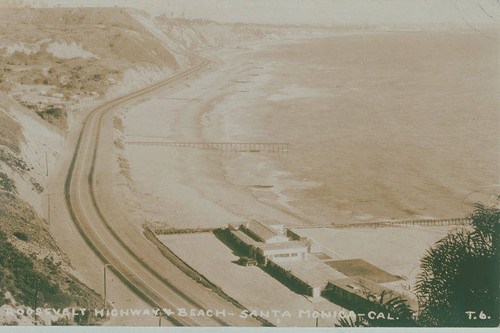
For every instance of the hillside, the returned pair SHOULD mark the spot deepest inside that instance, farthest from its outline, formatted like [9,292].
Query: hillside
[51,60]
[33,270]
[55,63]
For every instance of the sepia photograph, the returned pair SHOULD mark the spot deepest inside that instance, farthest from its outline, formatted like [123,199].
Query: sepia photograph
[250,163]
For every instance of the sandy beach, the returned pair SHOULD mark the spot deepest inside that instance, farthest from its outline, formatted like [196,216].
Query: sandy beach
[377,131]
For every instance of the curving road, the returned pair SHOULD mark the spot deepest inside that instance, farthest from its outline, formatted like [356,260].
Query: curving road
[119,242]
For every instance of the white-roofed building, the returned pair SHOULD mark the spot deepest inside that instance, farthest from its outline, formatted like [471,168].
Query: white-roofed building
[264,242]
[263,232]
[267,243]
[281,252]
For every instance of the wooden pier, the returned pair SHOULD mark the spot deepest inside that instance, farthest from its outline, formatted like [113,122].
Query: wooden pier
[406,223]
[185,99]
[397,223]
[252,147]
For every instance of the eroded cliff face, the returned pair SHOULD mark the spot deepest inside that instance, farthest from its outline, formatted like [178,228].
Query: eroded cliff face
[34,272]
[54,60]
[55,63]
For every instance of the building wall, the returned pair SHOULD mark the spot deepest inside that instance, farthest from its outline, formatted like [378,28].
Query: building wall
[286,277]
[286,255]
[314,291]
[351,300]
[292,254]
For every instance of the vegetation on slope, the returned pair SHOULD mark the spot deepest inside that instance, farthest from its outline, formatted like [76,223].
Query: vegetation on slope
[10,133]
[31,265]
[458,286]
[51,59]
[28,285]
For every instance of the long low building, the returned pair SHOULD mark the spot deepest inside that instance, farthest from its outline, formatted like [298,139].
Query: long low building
[294,264]
[245,243]
[273,249]
[265,233]
[312,273]
[243,238]
[359,293]
[282,252]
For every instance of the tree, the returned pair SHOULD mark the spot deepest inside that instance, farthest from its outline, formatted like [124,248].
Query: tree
[458,285]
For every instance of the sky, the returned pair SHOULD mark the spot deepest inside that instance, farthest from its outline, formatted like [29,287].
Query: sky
[323,12]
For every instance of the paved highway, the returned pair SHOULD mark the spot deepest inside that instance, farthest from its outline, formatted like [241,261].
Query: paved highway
[118,241]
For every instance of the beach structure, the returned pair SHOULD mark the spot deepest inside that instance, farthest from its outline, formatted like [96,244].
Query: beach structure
[312,247]
[263,232]
[309,276]
[283,252]
[362,294]
[266,241]
[297,261]
[290,259]
[249,147]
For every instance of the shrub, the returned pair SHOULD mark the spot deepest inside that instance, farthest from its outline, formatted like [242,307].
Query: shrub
[7,184]
[13,161]
[21,235]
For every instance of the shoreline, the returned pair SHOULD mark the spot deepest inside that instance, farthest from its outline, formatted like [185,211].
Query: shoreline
[212,188]
[197,171]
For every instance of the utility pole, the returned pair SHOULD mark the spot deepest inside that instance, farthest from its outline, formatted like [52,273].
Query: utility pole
[48,208]
[46,165]
[36,301]
[104,279]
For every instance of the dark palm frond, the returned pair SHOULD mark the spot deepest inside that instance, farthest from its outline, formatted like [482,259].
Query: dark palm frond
[457,271]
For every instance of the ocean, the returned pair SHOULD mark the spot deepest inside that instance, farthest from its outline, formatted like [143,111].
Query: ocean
[395,125]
